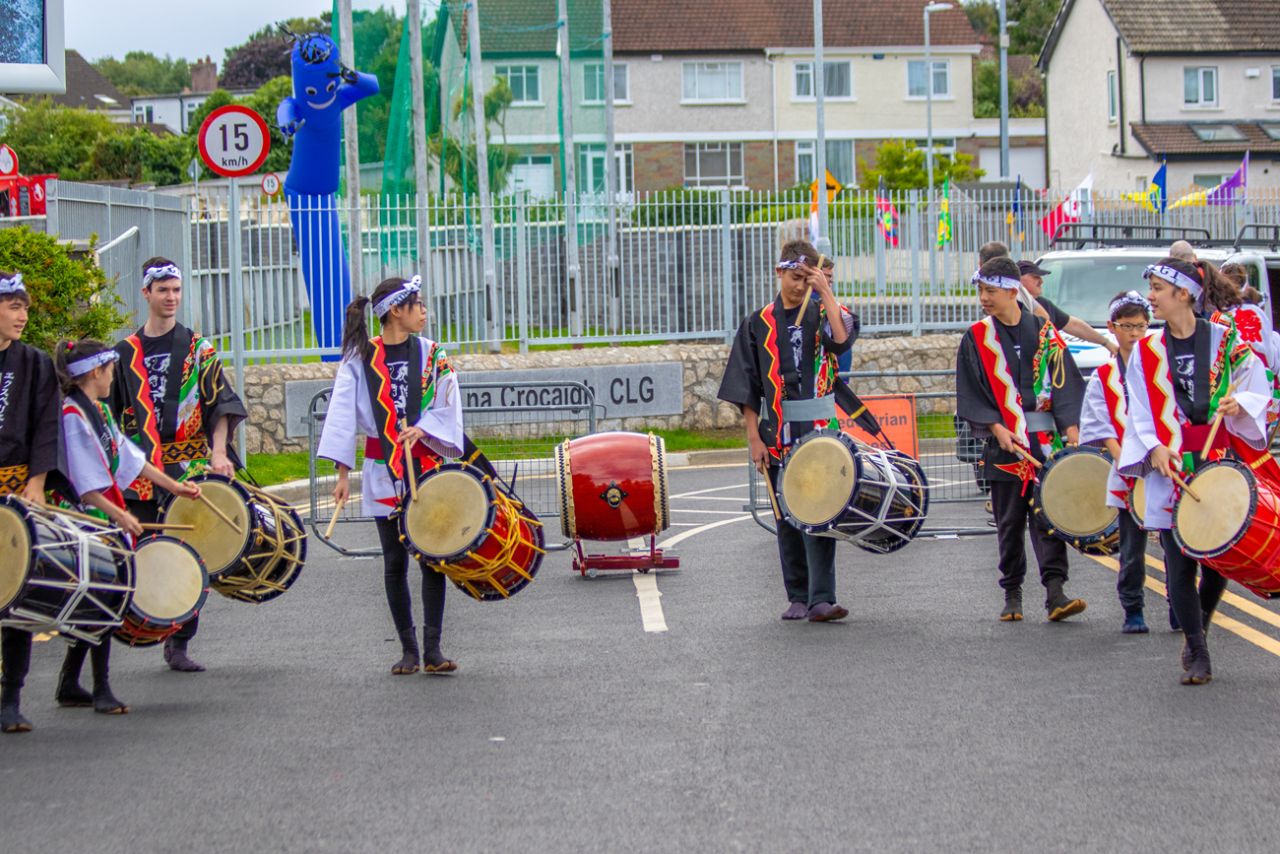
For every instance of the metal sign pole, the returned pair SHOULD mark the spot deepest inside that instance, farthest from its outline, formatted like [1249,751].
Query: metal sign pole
[235,267]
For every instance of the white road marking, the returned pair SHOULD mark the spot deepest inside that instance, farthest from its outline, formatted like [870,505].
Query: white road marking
[712,489]
[713,512]
[647,592]
[681,537]
[742,497]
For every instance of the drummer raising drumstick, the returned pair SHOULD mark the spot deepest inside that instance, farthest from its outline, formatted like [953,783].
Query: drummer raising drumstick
[1181,379]
[787,358]
[381,383]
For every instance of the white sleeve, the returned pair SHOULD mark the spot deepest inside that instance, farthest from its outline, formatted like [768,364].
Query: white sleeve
[1140,428]
[132,459]
[1095,420]
[1253,393]
[338,436]
[86,467]
[442,422]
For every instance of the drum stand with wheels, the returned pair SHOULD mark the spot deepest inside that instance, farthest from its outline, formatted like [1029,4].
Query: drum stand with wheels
[590,564]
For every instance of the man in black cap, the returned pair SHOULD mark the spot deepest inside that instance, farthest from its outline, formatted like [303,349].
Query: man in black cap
[1032,277]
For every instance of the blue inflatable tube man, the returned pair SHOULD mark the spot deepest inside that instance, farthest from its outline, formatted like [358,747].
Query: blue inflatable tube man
[312,118]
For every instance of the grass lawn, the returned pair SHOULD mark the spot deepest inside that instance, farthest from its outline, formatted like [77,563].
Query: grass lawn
[271,469]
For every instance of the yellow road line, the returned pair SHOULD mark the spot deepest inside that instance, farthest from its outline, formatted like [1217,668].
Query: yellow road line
[1237,628]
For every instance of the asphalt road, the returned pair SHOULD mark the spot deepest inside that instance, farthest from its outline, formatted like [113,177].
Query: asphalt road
[920,723]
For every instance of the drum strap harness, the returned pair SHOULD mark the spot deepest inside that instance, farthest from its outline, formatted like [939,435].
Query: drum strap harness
[102,425]
[386,445]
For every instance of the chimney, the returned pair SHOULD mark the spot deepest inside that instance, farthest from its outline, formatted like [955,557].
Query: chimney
[204,75]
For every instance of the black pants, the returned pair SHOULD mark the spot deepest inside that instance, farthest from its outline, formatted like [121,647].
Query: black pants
[395,562]
[1190,605]
[1133,564]
[1012,509]
[15,658]
[148,512]
[808,562]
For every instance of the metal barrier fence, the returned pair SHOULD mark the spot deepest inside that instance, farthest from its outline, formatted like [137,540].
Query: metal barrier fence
[947,451]
[519,440]
[683,265]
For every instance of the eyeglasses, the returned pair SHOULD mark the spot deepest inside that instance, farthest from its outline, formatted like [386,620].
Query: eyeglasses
[1132,327]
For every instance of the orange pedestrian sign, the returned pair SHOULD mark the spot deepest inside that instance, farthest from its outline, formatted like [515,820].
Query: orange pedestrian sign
[833,187]
[897,416]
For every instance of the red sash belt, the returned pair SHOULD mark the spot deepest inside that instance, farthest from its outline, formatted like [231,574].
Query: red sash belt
[1195,435]
[424,455]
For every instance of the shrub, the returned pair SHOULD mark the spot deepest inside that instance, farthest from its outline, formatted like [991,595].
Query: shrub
[70,296]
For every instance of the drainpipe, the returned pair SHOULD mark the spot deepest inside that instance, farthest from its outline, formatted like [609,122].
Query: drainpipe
[773,113]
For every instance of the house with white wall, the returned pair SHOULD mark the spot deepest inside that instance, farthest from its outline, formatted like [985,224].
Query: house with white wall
[175,110]
[720,93]
[1132,83]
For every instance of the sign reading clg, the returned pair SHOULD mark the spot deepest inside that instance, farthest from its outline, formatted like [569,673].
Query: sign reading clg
[234,141]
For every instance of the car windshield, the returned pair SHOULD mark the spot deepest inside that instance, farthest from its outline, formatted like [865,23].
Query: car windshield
[1083,287]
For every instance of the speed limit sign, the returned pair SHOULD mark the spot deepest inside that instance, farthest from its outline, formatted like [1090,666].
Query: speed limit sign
[270,184]
[234,141]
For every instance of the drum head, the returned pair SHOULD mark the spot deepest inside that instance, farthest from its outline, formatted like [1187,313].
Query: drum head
[1073,495]
[169,577]
[817,480]
[1138,500]
[449,515]
[1222,513]
[215,542]
[15,554]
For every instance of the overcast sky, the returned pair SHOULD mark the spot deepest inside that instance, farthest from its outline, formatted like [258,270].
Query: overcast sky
[187,28]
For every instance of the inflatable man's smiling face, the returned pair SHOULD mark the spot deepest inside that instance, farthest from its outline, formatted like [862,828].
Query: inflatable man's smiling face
[317,79]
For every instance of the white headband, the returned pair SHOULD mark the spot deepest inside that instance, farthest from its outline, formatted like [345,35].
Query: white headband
[1131,298]
[1175,278]
[12,285]
[789,265]
[155,274]
[995,281]
[85,364]
[412,287]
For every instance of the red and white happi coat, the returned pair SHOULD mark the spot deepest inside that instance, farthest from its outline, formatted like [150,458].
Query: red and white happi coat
[1103,417]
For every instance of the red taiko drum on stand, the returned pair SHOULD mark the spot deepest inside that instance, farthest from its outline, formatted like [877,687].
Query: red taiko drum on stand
[1234,527]
[613,486]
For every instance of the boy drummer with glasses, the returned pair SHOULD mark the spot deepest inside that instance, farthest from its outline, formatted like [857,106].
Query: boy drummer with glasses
[1102,423]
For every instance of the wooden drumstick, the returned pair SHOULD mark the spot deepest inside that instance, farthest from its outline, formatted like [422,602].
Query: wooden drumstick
[408,463]
[217,511]
[773,498]
[1217,420]
[165,526]
[1026,455]
[337,511]
[1183,485]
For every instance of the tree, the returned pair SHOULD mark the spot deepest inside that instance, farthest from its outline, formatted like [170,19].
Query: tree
[70,296]
[1034,17]
[264,56]
[902,166]
[1026,93]
[54,139]
[460,162]
[264,102]
[143,73]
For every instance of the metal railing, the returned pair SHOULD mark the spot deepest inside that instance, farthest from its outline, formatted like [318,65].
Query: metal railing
[518,440]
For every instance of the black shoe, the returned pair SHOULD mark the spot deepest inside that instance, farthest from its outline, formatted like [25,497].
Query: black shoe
[408,662]
[69,693]
[1012,612]
[105,703]
[1059,605]
[1198,670]
[12,718]
[433,660]
[175,655]
[72,696]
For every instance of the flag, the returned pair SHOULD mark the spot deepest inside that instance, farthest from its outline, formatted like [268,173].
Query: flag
[1071,209]
[944,215]
[886,216]
[1156,197]
[1223,194]
[833,187]
[1017,230]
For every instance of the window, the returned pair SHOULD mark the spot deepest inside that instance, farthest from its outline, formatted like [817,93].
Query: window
[591,167]
[1200,86]
[918,78]
[524,83]
[941,146]
[839,161]
[191,108]
[837,81]
[709,82]
[1207,182]
[713,164]
[1271,129]
[593,83]
[1275,82]
[144,113]
[1113,98]
[1218,133]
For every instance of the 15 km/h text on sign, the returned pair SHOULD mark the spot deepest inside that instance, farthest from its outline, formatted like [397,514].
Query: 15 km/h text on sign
[234,141]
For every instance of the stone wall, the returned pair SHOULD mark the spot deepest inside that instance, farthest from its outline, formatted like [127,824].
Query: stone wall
[703,365]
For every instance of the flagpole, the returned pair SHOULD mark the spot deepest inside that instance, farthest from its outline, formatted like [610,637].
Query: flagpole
[822,244]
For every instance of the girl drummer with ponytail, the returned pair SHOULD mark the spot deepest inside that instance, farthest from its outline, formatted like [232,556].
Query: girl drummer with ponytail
[399,390]
[1179,380]
[96,464]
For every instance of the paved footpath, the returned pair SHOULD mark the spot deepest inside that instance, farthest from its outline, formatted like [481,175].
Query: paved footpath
[628,713]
